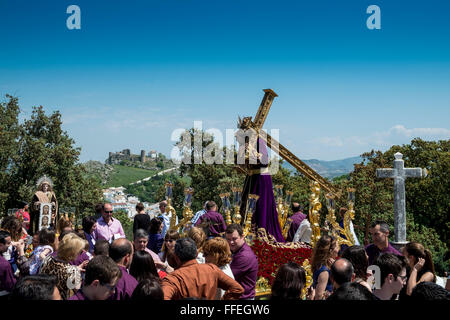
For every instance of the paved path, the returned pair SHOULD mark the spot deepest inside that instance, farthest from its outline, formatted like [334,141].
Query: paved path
[157,174]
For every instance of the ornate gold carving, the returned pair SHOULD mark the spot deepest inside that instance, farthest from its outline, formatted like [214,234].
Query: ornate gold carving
[309,277]
[270,239]
[314,212]
[336,229]
[262,287]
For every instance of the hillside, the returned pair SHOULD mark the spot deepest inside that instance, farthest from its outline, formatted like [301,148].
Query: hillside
[329,169]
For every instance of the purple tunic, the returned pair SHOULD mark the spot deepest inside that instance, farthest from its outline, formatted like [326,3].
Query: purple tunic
[79,260]
[373,252]
[125,286]
[266,215]
[7,280]
[244,266]
[297,219]
[78,296]
[217,223]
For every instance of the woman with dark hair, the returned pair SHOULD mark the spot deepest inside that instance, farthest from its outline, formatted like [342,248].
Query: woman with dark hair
[143,267]
[12,225]
[168,249]
[155,239]
[421,263]
[89,225]
[148,289]
[289,282]
[359,259]
[141,219]
[323,256]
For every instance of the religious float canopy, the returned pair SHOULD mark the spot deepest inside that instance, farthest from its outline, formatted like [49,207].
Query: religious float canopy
[266,220]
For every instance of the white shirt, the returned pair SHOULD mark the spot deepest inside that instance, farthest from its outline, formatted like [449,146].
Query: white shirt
[227,270]
[304,232]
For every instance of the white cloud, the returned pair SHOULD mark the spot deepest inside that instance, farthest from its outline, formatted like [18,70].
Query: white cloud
[397,134]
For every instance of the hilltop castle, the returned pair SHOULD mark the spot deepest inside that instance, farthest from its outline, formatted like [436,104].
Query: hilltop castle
[117,157]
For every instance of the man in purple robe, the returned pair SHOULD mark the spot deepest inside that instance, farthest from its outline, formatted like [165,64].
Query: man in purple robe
[121,251]
[259,182]
[380,237]
[100,279]
[244,263]
[297,219]
[214,220]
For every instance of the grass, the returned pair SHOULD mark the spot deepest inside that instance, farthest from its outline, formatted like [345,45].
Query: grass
[123,175]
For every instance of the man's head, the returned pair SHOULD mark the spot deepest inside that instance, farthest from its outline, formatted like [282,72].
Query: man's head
[140,239]
[36,287]
[101,247]
[235,236]
[185,249]
[121,251]
[351,291]
[296,207]
[162,206]
[379,231]
[211,206]
[426,291]
[140,207]
[393,272]
[5,240]
[107,212]
[341,272]
[101,277]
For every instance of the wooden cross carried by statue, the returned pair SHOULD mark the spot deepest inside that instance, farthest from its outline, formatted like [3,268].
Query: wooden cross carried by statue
[251,184]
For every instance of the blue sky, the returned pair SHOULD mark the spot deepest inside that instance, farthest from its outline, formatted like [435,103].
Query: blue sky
[138,70]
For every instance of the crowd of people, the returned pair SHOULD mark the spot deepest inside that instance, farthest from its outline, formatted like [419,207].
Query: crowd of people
[209,260]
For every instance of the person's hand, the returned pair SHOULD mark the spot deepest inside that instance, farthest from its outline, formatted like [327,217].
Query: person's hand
[330,261]
[160,265]
[20,246]
[311,293]
[83,265]
[419,265]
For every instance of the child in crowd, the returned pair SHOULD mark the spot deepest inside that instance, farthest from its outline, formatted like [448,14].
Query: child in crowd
[46,247]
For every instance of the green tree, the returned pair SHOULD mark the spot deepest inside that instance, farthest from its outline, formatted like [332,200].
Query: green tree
[39,146]
[427,199]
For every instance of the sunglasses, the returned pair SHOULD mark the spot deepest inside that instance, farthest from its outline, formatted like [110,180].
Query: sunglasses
[169,240]
[108,211]
[403,277]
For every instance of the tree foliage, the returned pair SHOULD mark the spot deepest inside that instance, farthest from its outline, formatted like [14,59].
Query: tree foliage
[36,147]
[427,199]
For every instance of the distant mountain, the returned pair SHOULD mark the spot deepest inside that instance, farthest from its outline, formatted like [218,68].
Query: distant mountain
[329,169]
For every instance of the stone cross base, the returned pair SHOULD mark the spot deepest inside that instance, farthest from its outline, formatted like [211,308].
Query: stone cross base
[399,245]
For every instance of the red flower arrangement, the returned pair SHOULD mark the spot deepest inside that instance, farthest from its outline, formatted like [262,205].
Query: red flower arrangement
[270,258]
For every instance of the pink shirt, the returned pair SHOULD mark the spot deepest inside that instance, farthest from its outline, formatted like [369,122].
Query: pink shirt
[154,255]
[111,231]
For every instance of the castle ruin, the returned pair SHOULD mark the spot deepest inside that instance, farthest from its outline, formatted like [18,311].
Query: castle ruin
[117,157]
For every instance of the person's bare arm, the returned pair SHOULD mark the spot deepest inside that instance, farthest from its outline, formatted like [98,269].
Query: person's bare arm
[233,290]
[321,285]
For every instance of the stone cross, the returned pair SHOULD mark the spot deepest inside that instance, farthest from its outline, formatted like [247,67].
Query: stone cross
[399,174]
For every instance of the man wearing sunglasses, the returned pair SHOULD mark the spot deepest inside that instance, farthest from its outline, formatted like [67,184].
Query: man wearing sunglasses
[393,276]
[108,228]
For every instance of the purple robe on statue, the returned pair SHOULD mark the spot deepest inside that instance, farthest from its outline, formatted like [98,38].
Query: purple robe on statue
[266,215]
